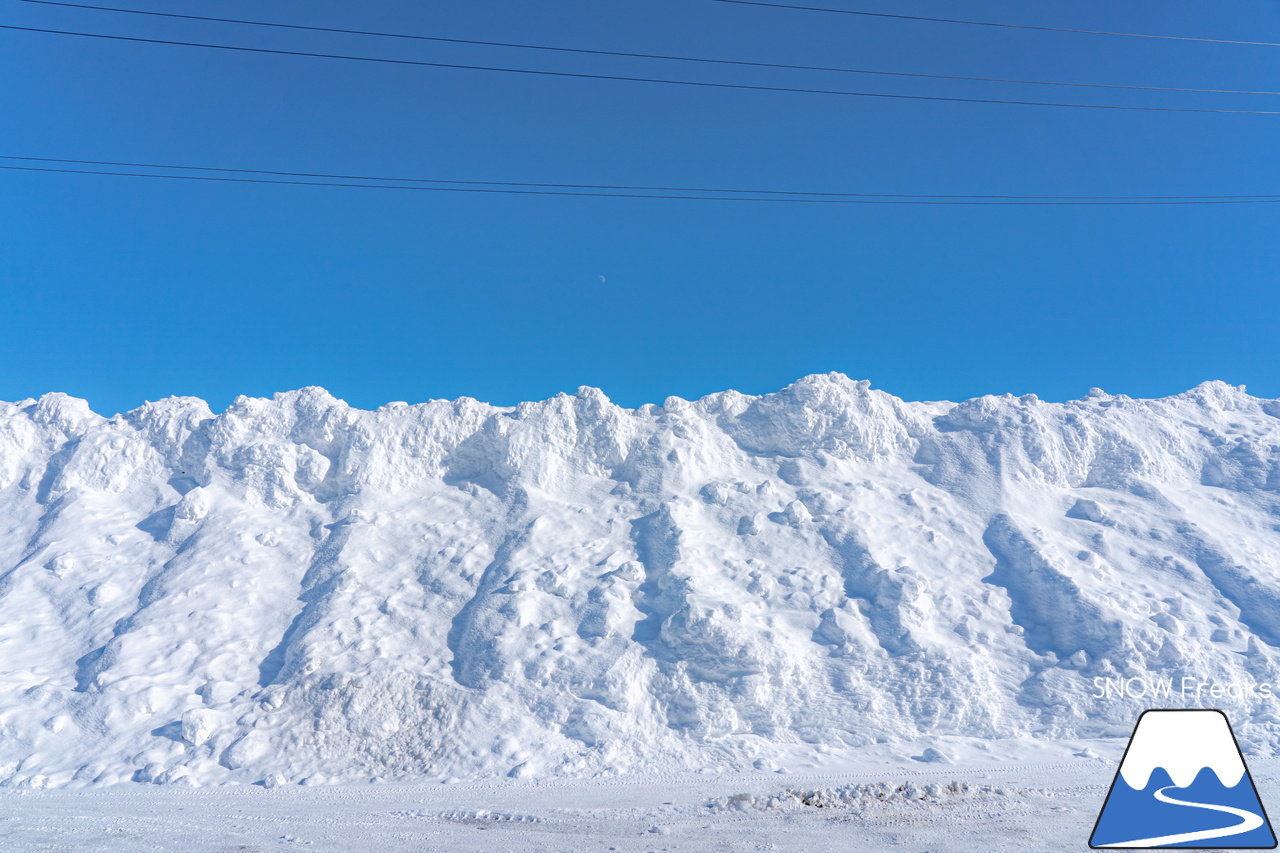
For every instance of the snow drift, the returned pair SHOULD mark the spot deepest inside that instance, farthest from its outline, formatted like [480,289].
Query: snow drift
[298,591]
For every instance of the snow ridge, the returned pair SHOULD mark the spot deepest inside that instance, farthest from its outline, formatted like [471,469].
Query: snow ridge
[298,591]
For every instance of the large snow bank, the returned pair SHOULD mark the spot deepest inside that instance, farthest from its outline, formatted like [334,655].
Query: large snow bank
[298,591]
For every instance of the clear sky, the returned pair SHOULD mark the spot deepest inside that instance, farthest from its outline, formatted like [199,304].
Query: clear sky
[122,290]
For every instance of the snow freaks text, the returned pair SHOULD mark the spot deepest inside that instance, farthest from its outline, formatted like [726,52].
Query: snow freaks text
[1187,687]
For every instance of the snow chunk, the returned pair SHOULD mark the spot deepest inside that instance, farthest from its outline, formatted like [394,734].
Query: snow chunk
[932,755]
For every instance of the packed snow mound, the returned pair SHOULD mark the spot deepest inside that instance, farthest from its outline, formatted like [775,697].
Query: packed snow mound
[298,591]
[862,796]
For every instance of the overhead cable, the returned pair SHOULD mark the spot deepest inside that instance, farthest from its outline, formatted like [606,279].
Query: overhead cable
[994,23]
[342,177]
[619,77]
[593,191]
[630,55]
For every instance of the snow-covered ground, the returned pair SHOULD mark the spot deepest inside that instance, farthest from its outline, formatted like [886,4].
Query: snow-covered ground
[298,593]
[1030,797]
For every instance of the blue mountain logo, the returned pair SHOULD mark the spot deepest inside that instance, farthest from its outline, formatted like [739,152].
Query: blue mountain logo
[1183,783]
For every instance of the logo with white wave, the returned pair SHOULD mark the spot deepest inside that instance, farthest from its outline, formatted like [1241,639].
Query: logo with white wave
[1183,782]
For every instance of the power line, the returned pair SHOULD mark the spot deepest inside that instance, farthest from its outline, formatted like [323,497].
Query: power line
[340,177]
[995,24]
[585,76]
[629,55]
[609,193]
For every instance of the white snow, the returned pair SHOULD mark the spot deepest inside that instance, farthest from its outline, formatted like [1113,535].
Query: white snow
[1027,799]
[298,592]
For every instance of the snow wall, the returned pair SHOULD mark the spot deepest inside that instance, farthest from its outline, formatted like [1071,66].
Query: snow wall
[298,591]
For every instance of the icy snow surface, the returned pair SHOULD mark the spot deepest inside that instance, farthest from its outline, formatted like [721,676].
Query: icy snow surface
[1029,800]
[296,591]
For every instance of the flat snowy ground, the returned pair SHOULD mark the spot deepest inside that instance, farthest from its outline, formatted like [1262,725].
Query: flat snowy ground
[1031,797]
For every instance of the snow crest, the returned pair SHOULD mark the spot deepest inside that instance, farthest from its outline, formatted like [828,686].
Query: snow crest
[296,591]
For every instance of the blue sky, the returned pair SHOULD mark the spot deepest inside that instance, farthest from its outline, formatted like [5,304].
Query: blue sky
[123,290]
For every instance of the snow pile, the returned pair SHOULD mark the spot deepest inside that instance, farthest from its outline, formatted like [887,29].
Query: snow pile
[295,591]
[861,796]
